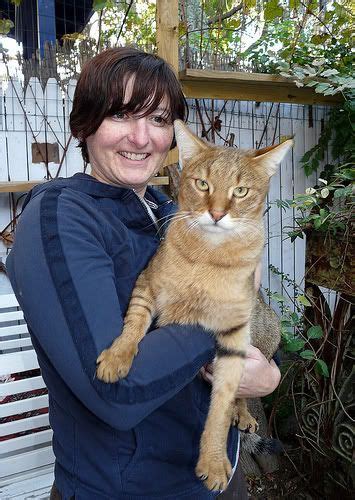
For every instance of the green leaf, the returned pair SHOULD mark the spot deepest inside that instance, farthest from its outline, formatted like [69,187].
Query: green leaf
[342,192]
[307,354]
[307,156]
[286,323]
[272,10]
[329,72]
[304,301]
[321,87]
[321,368]
[295,318]
[17,3]
[308,169]
[315,332]
[318,39]
[5,26]
[312,83]
[278,297]
[294,345]
[317,222]
[99,4]
[348,173]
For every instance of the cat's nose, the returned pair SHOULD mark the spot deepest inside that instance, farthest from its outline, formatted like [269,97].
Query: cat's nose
[217,215]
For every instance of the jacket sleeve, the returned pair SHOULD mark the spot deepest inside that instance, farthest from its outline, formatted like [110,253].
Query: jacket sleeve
[64,280]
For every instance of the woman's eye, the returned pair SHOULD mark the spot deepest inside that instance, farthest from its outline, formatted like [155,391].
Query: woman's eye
[119,115]
[202,185]
[240,192]
[159,120]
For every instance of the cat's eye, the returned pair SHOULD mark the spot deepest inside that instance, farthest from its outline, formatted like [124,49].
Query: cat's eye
[240,192]
[202,185]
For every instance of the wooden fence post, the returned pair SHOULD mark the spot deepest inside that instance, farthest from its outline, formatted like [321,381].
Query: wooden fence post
[167,19]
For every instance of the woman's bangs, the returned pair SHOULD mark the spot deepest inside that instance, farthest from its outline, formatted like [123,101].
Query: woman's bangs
[147,94]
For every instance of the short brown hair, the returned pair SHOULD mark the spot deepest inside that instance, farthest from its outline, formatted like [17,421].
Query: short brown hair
[101,86]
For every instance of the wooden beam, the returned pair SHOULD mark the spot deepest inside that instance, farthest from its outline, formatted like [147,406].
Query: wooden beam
[25,186]
[18,186]
[167,21]
[198,83]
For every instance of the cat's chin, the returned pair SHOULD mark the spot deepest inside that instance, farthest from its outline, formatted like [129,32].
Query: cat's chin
[213,228]
[214,234]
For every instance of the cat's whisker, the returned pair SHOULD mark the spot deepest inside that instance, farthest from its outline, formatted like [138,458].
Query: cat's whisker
[176,218]
[192,225]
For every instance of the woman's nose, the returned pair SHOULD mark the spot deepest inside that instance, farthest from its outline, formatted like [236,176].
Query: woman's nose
[138,132]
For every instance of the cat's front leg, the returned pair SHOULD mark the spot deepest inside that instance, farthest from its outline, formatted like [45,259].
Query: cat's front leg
[115,362]
[213,466]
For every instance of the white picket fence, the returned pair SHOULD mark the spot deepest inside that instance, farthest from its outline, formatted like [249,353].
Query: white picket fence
[36,115]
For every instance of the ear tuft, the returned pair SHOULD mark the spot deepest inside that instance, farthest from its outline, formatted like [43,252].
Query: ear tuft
[189,145]
[272,156]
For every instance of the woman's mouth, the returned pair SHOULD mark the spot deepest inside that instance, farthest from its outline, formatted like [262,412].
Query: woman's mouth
[134,156]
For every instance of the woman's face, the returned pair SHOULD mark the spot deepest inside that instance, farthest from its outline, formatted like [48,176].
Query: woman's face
[129,150]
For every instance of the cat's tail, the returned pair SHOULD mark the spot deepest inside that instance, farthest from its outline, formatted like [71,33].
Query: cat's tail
[253,443]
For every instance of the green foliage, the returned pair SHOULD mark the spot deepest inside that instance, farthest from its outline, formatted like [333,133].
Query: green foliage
[298,339]
[5,26]
[326,207]
[272,10]
[101,4]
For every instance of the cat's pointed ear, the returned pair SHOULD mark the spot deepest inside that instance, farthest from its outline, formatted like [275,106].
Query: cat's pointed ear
[189,145]
[272,156]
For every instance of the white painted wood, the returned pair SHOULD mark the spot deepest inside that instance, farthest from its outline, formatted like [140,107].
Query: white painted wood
[9,331]
[33,484]
[8,300]
[24,424]
[26,461]
[35,109]
[15,344]
[18,362]
[3,148]
[16,132]
[54,124]
[18,386]
[11,316]
[27,441]
[30,404]
[74,159]
[20,453]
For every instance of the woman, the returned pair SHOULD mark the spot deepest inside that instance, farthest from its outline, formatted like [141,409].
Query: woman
[80,245]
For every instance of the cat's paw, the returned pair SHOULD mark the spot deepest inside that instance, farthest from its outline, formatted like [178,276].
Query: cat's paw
[245,422]
[112,366]
[215,473]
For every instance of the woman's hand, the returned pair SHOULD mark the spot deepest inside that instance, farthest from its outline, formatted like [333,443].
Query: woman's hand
[259,377]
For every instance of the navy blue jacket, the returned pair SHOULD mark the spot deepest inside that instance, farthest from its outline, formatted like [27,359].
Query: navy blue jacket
[79,248]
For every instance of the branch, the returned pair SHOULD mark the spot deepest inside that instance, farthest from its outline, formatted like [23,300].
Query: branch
[227,15]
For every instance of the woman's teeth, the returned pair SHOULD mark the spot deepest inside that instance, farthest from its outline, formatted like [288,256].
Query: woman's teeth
[134,156]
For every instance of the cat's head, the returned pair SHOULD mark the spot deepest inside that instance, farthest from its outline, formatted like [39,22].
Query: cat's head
[224,189]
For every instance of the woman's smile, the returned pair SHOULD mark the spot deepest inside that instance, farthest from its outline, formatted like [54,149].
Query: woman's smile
[134,156]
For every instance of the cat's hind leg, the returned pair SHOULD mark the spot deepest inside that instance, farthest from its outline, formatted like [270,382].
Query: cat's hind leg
[241,417]
[115,362]
[213,466]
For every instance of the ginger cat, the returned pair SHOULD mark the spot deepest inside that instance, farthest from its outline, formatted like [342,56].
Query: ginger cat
[209,257]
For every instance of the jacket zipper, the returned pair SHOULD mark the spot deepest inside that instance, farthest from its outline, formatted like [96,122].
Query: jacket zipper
[161,238]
